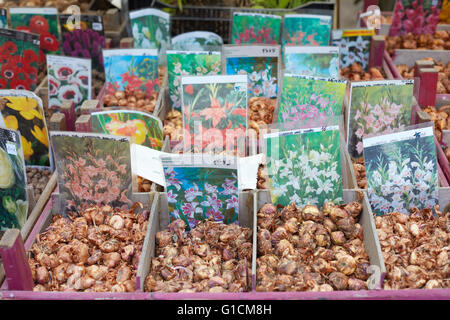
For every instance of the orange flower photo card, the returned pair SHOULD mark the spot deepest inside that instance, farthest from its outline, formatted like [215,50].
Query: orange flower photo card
[92,169]
[215,113]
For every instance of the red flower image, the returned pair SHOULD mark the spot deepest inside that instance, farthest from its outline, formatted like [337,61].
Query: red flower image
[49,42]
[4,58]
[189,89]
[9,71]
[150,86]
[17,62]
[20,84]
[3,84]
[29,56]
[38,24]
[41,56]
[9,48]
[64,73]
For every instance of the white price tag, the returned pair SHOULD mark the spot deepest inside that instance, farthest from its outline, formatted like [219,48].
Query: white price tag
[97,26]
[11,148]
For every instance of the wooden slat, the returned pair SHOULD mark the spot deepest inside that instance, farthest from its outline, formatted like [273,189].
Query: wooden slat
[15,263]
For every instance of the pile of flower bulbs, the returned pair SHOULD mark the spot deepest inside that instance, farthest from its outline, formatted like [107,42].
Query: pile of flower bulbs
[212,257]
[356,73]
[360,173]
[415,249]
[443,85]
[38,179]
[311,250]
[440,118]
[260,112]
[440,40]
[173,125]
[97,251]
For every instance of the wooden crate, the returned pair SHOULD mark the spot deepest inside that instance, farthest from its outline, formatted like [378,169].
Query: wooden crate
[159,220]
[370,240]
[54,207]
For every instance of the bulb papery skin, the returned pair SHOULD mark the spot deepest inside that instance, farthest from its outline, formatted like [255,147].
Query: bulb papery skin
[80,253]
[308,249]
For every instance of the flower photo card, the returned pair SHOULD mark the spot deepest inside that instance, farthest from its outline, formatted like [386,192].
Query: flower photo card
[151,30]
[42,21]
[68,79]
[401,170]
[248,28]
[197,41]
[22,110]
[354,46]
[19,53]
[309,99]
[198,190]
[131,69]
[306,30]
[260,62]
[214,112]
[415,16]
[86,41]
[304,166]
[189,63]
[13,181]
[312,61]
[3,18]
[142,128]
[376,107]
[92,169]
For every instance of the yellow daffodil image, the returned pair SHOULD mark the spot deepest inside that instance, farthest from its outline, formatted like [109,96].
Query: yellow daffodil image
[41,135]
[11,122]
[7,178]
[27,149]
[132,128]
[27,107]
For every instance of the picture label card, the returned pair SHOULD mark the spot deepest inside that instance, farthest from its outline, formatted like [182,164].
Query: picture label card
[306,30]
[198,191]
[151,30]
[260,62]
[312,61]
[22,110]
[19,55]
[214,112]
[142,128]
[304,166]
[307,98]
[13,182]
[376,107]
[92,169]
[189,63]
[354,46]
[250,28]
[131,69]
[86,42]
[401,171]
[68,79]
[196,41]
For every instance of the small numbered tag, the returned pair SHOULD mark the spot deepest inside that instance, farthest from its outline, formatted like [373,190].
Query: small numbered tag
[11,148]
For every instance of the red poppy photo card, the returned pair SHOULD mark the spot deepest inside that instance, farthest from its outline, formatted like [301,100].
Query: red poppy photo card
[19,52]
